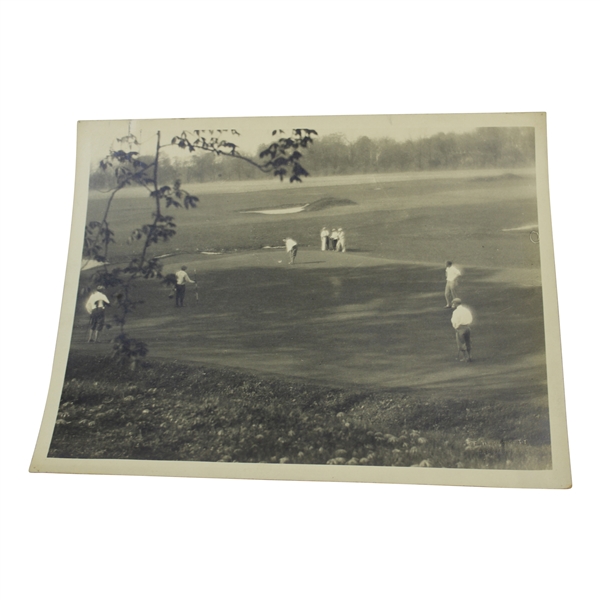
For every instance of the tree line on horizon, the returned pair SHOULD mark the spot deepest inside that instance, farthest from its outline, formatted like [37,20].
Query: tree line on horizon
[483,148]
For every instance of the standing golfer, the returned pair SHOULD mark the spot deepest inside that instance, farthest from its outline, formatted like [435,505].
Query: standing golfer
[461,319]
[452,275]
[96,304]
[324,239]
[291,247]
[341,245]
[333,238]
[182,279]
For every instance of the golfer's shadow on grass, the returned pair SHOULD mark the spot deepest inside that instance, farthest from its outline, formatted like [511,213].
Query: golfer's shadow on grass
[310,262]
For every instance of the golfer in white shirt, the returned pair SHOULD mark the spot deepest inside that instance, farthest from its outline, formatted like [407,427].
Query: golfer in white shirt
[291,247]
[341,245]
[452,275]
[324,239]
[182,279]
[333,238]
[95,306]
[461,319]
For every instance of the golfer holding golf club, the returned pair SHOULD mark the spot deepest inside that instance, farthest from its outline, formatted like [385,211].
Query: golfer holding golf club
[291,247]
[452,275]
[182,279]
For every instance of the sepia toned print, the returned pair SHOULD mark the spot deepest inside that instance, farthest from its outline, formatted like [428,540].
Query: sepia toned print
[326,298]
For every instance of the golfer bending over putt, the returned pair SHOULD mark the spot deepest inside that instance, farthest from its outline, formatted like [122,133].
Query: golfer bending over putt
[291,247]
[461,319]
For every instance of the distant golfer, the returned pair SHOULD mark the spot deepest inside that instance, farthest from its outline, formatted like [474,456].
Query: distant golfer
[95,306]
[324,239]
[333,238]
[452,275]
[182,279]
[461,319]
[341,245]
[291,247]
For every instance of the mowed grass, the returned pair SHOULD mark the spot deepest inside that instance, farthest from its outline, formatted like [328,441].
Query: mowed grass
[363,334]
[426,219]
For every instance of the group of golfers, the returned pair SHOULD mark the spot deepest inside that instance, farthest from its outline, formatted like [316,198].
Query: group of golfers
[461,320]
[330,240]
[333,240]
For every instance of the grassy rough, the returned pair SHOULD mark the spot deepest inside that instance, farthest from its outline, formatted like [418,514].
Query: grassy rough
[176,411]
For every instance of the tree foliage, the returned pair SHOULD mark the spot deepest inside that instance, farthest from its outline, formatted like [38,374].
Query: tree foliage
[486,147]
[121,169]
[489,147]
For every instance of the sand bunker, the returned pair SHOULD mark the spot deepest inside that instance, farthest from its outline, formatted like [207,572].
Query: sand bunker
[279,211]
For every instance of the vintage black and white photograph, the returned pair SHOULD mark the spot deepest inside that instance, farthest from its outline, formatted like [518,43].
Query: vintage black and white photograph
[366,298]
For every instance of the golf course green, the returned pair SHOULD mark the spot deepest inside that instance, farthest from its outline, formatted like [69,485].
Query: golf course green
[371,318]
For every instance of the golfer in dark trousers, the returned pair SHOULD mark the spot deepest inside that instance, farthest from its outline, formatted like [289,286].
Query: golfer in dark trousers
[461,321]
[182,279]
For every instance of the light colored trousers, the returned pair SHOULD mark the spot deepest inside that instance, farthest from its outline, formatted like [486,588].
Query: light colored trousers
[450,292]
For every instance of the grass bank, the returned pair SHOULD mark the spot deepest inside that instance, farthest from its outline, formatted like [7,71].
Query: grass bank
[176,411]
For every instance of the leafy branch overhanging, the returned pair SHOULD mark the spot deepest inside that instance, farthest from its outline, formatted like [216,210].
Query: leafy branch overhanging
[281,159]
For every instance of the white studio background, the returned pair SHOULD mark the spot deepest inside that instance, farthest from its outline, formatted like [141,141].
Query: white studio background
[134,537]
